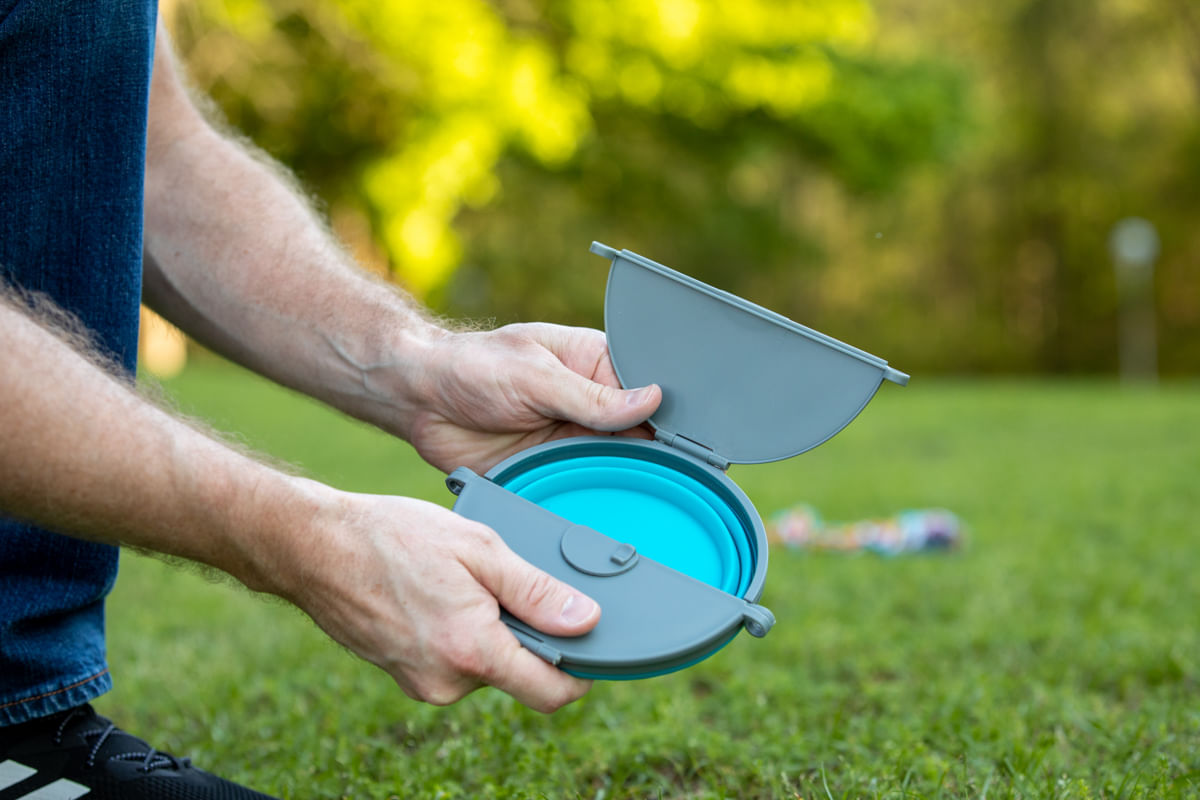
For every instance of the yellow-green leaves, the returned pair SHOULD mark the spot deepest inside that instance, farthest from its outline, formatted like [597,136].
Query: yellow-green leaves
[418,102]
[480,88]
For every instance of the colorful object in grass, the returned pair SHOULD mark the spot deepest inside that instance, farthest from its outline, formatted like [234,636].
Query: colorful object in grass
[913,531]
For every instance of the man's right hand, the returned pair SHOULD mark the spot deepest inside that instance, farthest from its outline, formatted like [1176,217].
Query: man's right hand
[407,585]
[416,589]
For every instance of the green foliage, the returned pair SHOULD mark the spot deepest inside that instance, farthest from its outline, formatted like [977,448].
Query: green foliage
[1055,657]
[1084,115]
[427,109]
[930,179]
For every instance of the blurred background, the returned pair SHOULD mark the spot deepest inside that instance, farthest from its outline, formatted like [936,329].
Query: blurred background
[931,180]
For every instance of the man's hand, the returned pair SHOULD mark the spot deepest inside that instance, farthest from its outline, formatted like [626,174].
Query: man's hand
[417,589]
[491,394]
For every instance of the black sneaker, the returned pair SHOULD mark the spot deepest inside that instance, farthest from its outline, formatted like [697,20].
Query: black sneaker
[80,754]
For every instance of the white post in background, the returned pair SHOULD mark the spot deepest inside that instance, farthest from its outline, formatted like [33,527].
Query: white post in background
[1134,247]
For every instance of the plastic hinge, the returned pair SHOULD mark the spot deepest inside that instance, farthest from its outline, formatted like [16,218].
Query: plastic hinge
[694,449]
[758,620]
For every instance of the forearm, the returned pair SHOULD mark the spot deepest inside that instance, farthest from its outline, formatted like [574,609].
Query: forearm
[82,452]
[236,256]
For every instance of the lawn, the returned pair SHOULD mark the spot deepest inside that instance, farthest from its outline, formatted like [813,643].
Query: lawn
[1057,655]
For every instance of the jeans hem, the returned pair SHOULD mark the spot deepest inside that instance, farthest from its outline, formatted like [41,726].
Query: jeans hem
[54,700]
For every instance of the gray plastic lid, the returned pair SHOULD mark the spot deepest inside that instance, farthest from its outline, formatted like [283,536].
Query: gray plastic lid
[655,619]
[741,384]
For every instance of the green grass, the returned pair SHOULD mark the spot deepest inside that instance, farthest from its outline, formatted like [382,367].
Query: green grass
[1057,656]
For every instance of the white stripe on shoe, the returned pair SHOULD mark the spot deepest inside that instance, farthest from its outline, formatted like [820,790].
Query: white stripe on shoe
[13,772]
[61,789]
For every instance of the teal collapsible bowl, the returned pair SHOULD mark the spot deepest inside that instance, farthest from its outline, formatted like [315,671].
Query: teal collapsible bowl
[664,513]
[671,548]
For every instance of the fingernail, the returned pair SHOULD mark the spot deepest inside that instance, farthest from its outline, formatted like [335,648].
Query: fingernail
[637,396]
[577,609]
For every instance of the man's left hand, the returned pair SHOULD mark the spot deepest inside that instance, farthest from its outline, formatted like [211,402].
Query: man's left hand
[487,395]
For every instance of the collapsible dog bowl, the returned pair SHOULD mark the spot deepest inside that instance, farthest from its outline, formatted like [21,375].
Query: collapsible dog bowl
[655,531]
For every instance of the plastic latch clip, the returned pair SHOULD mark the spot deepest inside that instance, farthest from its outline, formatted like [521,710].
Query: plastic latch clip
[593,553]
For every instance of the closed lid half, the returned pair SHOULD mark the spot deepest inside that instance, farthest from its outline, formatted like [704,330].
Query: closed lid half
[738,380]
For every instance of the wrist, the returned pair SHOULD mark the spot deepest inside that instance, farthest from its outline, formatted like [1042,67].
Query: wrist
[420,357]
[393,376]
[283,534]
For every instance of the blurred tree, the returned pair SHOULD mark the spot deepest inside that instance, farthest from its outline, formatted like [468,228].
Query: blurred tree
[684,128]
[929,179]
[1086,113]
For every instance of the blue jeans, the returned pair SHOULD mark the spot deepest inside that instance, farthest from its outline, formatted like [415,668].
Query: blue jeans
[74,85]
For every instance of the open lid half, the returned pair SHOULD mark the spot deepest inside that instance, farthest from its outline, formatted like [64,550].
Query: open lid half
[741,384]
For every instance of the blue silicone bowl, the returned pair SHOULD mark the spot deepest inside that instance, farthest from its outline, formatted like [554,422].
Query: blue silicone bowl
[671,508]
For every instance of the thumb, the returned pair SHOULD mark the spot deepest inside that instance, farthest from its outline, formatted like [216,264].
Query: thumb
[599,406]
[533,596]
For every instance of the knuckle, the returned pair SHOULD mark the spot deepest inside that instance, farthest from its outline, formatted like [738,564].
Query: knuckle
[443,695]
[559,698]
[548,705]
[490,672]
[599,396]
[540,589]
[431,690]
[480,538]
[461,656]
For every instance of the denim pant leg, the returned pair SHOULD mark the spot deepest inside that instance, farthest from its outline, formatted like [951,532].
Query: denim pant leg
[74,86]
